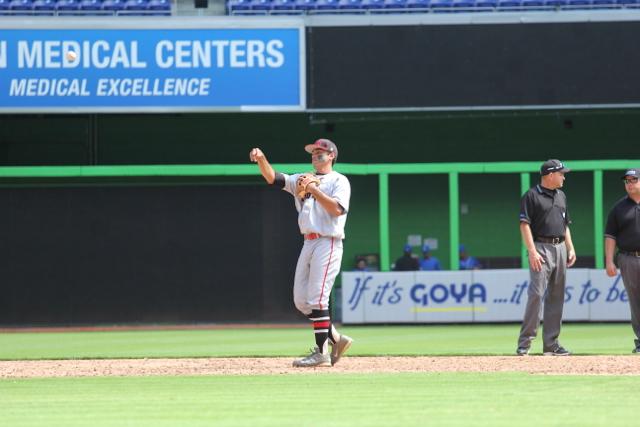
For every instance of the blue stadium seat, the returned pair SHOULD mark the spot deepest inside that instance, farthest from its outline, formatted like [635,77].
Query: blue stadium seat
[604,4]
[68,7]
[44,7]
[418,4]
[136,5]
[4,6]
[509,5]
[284,7]
[373,5]
[486,5]
[327,5]
[395,5]
[441,6]
[113,6]
[159,7]
[555,3]
[21,7]
[533,4]
[91,7]
[238,6]
[577,4]
[261,6]
[354,6]
[464,5]
[305,5]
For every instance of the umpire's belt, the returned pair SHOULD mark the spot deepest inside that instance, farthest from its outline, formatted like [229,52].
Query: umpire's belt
[631,253]
[312,236]
[553,240]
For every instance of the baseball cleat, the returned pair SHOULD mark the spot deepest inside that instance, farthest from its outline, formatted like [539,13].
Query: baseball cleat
[314,360]
[558,351]
[340,348]
[522,351]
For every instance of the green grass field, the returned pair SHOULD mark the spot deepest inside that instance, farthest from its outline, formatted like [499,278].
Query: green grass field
[319,398]
[371,341]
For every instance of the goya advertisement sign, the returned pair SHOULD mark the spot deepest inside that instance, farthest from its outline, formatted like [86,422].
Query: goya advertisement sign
[156,69]
[473,296]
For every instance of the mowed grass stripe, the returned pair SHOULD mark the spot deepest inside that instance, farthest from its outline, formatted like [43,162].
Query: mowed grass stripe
[369,341]
[449,399]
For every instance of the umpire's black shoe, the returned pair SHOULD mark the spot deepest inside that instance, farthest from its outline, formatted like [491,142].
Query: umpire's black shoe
[637,349]
[558,351]
[522,351]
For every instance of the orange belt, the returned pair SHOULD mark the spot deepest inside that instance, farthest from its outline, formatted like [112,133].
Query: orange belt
[312,236]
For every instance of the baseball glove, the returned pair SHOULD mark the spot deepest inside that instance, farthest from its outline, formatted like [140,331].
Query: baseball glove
[303,182]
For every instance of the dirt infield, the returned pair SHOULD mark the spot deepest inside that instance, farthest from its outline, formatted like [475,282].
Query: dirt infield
[572,365]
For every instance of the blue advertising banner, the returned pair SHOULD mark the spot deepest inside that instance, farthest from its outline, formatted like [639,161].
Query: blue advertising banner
[152,69]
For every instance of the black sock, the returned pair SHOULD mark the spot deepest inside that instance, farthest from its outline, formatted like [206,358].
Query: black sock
[321,327]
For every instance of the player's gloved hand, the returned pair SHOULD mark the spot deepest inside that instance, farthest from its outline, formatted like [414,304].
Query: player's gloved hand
[303,182]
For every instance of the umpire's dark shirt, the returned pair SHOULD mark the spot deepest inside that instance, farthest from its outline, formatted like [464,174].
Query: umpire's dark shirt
[623,225]
[545,211]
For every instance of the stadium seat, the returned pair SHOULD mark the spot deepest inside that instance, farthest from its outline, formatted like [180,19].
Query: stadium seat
[91,7]
[136,6]
[577,4]
[604,4]
[305,5]
[326,6]
[21,7]
[373,5]
[631,4]
[509,5]
[4,7]
[113,6]
[441,6]
[159,7]
[532,5]
[418,4]
[555,3]
[352,6]
[464,5]
[261,6]
[44,7]
[486,5]
[238,6]
[284,7]
[395,5]
[68,7]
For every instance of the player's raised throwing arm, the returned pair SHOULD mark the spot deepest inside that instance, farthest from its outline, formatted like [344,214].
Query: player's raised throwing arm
[257,156]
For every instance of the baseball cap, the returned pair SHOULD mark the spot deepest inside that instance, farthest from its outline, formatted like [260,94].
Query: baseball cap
[462,248]
[408,248]
[323,144]
[426,248]
[631,172]
[553,165]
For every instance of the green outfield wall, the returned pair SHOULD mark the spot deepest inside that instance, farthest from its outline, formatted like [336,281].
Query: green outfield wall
[418,204]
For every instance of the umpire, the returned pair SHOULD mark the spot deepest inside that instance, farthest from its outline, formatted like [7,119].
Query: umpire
[544,226]
[623,231]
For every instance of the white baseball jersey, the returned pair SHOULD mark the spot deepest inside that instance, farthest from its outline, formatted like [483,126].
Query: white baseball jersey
[312,217]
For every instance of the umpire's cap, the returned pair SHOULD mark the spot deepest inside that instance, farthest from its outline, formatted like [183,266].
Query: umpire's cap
[632,172]
[553,165]
[323,144]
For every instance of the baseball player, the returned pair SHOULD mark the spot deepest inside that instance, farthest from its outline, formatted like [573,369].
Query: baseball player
[322,201]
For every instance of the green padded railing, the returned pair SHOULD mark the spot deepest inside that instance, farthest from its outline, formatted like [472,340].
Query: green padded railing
[453,170]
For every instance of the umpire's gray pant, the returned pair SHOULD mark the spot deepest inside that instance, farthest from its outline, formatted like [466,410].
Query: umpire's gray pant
[630,271]
[545,286]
